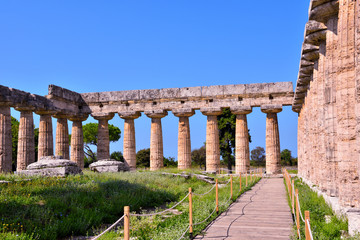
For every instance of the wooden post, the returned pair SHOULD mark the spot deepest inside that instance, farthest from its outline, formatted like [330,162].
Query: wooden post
[292,196]
[240,182]
[231,192]
[217,197]
[297,212]
[127,223]
[307,227]
[246,180]
[190,213]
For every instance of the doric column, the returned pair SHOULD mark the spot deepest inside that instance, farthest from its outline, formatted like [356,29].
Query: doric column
[103,141]
[184,142]
[242,155]
[46,143]
[26,141]
[62,137]
[272,138]
[129,148]
[156,139]
[5,139]
[77,140]
[212,139]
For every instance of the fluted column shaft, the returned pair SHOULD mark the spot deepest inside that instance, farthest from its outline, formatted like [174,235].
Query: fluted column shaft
[5,140]
[103,144]
[242,156]
[62,138]
[272,139]
[156,141]
[77,143]
[129,148]
[26,141]
[46,144]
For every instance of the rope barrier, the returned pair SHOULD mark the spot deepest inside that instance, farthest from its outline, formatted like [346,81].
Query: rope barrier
[205,218]
[187,229]
[109,228]
[203,194]
[158,213]
[310,232]
[302,218]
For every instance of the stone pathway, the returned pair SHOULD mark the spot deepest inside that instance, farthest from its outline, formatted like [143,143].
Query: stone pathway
[261,213]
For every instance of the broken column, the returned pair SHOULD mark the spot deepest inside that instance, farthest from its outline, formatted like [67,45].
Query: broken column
[129,148]
[272,138]
[62,136]
[156,139]
[5,139]
[103,141]
[26,141]
[77,140]
[46,143]
[212,139]
[184,142]
[242,155]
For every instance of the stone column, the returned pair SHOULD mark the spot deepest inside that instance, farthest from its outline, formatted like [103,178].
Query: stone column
[5,140]
[242,156]
[103,141]
[77,140]
[26,141]
[184,142]
[46,143]
[272,138]
[212,139]
[62,137]
[156,139]
[129,148]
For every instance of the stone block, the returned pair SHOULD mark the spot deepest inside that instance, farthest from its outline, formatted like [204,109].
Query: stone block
[109,165]
[149,94]
[190,92]
[212,91]
[235,89]
[169,93]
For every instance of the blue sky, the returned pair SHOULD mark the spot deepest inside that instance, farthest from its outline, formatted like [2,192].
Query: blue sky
[90,46]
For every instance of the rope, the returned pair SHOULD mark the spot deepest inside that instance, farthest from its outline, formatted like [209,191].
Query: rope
[157,213]
[226,201]
[187,229]
[297,199]
[108,228]
[297,230]
[311,236]
[228,182]
[203,194]
[194,224]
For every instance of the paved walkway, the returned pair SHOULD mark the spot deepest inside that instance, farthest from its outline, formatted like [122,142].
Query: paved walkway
[261,213]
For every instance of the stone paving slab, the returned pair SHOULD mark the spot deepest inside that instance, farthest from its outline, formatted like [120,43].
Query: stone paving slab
[261,213]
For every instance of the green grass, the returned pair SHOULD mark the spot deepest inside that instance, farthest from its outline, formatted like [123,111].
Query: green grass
[309,200]
[55,208]
[292,171]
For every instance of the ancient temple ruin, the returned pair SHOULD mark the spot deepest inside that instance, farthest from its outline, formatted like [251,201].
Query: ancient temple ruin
[67,105]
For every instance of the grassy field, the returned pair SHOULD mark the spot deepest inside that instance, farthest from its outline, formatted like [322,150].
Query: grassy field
[319,211]
[57,208]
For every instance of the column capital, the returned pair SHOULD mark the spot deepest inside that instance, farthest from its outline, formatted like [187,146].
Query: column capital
[45,112]
[25,108]
[271,108]
[80,118]
[241,110]
[183,112]
[129,115]
[102,116]
[156,113]
[211,111]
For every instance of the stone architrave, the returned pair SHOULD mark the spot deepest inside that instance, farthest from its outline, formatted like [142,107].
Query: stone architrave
[156,139]
[129,148]
[77,140]
[184,142]
[242,155]
[212,139]
[103,141]
[62,136]
[46,142]
[26,141]
[5,139]
[272,138]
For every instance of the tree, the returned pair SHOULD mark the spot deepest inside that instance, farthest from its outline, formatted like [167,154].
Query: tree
[143,158]
[287,159]
[117,155]
[198,156]
[258,156]
[227,129]
[170,162]
[90,133]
